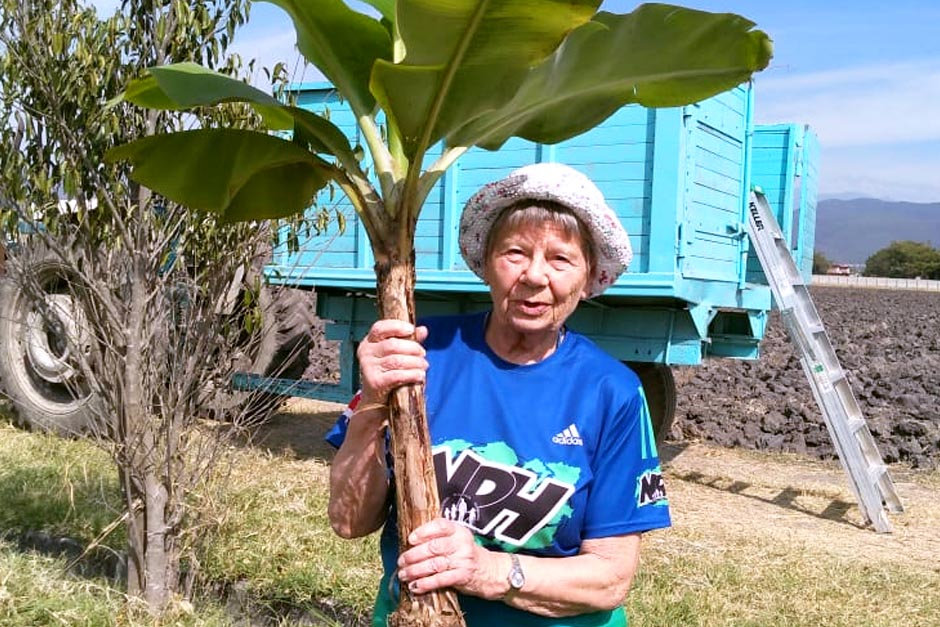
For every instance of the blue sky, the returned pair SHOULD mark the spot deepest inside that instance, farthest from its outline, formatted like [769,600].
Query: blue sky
[864,74]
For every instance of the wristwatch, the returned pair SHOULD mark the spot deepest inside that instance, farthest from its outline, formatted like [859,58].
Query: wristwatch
[516,576]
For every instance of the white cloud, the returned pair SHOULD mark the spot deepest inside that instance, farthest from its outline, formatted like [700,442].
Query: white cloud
[878,125]
[858,106]
[882,173]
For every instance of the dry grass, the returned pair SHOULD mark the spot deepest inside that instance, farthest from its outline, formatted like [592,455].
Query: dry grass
[757,539]
[690,578]
[777,540]
[271,535]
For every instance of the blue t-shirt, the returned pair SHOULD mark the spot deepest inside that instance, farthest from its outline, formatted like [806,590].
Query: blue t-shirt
[533,458]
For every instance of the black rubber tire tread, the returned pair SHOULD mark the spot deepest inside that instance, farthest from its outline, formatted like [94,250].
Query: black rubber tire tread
[34,405]
[288,318]
[659,385]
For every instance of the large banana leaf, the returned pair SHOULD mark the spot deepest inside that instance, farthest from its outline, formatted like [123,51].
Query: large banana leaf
[342,43]
[473,72]
[239,175]
[465,57]
[187,85]
[658,56]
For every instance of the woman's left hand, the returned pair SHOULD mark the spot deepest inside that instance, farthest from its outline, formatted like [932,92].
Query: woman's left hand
[444,555]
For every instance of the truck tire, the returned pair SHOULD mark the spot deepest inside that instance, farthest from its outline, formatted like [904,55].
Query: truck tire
[288,328]
[659,385]
[38,374]
[288,320]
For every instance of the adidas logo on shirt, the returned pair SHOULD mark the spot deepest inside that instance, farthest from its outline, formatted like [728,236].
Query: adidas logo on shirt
[569,436]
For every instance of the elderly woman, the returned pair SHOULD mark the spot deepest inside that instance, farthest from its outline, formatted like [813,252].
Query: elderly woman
[542,444]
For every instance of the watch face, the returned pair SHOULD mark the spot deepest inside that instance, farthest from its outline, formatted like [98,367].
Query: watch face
[516,576]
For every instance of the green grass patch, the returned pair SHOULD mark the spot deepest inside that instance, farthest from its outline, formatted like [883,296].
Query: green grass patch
[35,591]
[271,533]
[58,486]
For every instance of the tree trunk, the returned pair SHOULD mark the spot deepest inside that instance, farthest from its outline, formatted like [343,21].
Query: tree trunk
[150,563]
[136,527]
[156,557]
[415,486]
[133,449]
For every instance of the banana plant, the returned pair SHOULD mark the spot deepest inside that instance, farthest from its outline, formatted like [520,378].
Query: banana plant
[465,73]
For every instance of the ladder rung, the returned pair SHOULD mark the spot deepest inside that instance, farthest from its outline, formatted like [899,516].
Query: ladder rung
[876,472]
[836,375]
[815,327]
[856,424]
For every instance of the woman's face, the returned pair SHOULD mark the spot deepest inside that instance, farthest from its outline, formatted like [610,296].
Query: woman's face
[537,274]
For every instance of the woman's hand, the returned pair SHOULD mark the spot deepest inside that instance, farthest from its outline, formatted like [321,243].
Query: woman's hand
[389,356]
[444,555]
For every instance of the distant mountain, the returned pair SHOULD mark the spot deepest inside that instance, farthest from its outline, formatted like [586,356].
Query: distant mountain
[850,231]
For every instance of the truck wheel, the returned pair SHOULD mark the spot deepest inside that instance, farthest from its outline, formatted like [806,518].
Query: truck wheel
[36,368]
[288,320]
[660,389]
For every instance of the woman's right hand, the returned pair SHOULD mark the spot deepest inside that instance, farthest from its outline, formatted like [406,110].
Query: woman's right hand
[390,355]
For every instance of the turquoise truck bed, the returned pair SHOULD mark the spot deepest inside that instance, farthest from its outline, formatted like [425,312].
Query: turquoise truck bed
[678,179]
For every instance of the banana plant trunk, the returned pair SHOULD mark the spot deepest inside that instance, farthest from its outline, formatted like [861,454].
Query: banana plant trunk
[415,486]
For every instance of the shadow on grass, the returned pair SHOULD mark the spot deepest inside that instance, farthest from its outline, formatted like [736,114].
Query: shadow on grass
[294,434]
[99,562]
[253,611]
[836,510]
[668,451]
[38,516]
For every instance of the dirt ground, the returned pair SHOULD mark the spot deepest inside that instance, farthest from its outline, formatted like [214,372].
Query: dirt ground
[729,494]
[886,340]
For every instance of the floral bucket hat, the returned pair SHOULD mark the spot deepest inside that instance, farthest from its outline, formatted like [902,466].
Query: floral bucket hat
[558,183]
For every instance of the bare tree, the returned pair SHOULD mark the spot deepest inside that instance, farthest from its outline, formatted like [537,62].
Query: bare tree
[122,315]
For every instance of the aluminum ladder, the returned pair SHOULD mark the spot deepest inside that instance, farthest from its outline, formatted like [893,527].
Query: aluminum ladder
[850,435]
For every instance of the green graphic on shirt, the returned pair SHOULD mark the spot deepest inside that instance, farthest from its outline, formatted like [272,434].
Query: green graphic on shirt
[498,452]
[509,505]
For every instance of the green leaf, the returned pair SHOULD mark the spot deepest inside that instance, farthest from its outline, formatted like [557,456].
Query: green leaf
[465,57]
[658,56]
[240,175]
[187,85]
[320,134]
[342,43]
